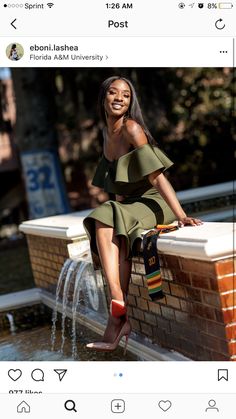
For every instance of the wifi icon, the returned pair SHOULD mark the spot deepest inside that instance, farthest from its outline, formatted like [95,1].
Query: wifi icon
[50,5]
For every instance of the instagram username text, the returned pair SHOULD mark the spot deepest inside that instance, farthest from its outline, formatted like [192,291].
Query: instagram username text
[61,52]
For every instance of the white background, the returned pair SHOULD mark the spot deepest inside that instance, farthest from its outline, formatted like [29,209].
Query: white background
[137,377]
[128,52]
[90,18]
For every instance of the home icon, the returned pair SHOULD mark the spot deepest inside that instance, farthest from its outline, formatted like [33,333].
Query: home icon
[23,407]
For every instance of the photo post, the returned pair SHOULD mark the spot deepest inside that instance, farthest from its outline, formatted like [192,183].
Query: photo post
[117,209]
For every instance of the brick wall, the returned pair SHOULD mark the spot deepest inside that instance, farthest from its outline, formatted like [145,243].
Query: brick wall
[47,256]
[197,316]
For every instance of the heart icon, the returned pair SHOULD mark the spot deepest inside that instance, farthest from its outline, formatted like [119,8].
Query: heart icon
[15,374]
[164,405]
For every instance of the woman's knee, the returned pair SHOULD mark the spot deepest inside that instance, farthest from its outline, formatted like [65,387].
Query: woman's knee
[105,232]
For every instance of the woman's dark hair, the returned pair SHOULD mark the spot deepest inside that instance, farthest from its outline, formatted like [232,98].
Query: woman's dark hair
[134,111]
[13,46]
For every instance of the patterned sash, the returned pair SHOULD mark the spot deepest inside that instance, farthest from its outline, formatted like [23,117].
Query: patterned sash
[151,260]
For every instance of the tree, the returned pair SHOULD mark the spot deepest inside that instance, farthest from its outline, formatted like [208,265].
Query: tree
[36,137]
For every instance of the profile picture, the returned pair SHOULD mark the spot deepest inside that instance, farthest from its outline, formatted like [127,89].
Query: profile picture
[14,51]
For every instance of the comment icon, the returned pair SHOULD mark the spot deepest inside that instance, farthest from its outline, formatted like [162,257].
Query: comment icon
[37,375]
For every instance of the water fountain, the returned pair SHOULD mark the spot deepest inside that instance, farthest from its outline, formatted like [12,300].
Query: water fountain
[78,292]
[86,293]
[11,322]
[194,262]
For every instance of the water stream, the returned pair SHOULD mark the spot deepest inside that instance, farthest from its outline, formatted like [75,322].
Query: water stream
[79,287]
[76,296]
[69,277]
[62,276]
[86,291]
[11,322]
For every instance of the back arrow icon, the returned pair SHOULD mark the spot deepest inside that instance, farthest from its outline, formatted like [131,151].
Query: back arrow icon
[219,25]
[12,23]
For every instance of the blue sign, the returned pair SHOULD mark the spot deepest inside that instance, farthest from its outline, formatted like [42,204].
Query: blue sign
[44,184]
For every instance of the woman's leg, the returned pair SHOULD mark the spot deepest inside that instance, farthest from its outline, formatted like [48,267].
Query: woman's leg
[117,270]
[124,267]
[108,249]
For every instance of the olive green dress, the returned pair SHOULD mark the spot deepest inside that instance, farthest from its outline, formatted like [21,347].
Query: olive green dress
[142,208]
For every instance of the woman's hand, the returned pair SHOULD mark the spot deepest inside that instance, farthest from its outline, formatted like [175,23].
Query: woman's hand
[189,221]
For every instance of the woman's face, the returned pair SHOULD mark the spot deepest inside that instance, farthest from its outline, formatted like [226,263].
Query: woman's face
[117,98]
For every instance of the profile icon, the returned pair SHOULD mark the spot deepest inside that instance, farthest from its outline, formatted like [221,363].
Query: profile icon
[14,51]
[212,406]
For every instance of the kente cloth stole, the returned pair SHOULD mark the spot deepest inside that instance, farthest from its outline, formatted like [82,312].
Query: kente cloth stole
[151,260]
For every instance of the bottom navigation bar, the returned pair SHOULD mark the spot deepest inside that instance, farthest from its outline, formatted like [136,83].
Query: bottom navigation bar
[127,405]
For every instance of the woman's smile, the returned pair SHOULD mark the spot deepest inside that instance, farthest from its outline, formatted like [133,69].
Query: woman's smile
[117,105]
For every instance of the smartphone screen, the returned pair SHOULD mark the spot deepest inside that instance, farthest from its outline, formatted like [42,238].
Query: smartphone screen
[117,278]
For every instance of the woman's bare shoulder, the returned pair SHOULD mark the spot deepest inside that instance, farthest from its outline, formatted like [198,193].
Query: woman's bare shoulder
[134,133]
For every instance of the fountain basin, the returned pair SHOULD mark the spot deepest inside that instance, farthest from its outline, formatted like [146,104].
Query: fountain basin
[197,317]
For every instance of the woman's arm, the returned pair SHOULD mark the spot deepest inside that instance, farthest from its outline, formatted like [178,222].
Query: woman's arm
[163,186]
[136,137]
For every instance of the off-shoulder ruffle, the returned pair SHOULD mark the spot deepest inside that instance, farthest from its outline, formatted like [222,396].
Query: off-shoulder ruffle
[129,173]
[101,173]
[140,162]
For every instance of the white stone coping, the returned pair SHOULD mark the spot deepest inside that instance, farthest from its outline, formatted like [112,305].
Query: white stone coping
[208,241]
[19,299]
[211,240]
[67,226]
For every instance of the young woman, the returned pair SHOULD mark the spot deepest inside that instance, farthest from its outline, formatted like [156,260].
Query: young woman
[13,55]
[131,169]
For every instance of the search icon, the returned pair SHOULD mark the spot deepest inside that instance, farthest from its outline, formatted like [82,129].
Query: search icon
[70,405]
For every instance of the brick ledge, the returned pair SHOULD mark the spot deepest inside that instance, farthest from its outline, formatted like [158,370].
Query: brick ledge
[210,241]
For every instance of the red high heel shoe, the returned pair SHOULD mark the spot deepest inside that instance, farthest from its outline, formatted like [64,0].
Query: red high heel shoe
[118,310]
